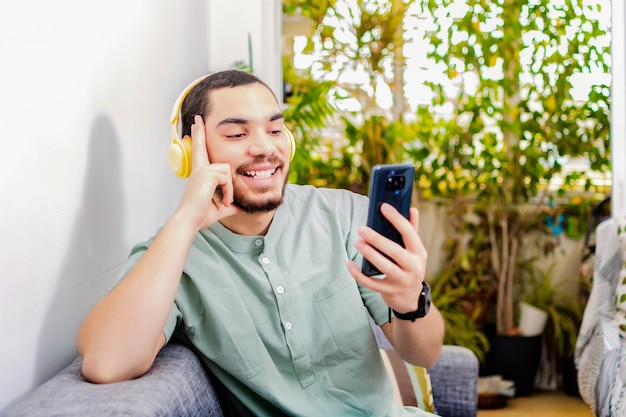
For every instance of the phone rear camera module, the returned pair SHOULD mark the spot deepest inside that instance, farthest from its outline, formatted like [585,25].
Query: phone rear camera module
[395,182]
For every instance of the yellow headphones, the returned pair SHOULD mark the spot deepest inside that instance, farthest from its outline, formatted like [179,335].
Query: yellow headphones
[179,152]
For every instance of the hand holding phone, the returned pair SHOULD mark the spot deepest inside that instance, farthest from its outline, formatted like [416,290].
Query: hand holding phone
[391,184]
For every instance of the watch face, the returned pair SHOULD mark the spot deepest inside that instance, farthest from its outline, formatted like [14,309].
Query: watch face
[425,300]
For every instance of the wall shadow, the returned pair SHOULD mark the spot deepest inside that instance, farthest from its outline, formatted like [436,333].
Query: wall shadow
[94,256]
[96,252]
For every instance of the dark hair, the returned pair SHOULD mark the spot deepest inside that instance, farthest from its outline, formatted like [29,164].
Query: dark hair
[197,102]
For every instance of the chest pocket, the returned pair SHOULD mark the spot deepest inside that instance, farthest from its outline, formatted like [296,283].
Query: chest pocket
[345,315]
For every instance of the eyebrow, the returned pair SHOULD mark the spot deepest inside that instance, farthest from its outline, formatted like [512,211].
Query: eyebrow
[276,116]
[241,121]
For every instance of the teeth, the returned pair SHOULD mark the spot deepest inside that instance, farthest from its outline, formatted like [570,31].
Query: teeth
[261,174]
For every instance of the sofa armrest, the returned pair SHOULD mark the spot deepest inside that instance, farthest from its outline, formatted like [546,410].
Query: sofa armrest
[454,379]
[176,385]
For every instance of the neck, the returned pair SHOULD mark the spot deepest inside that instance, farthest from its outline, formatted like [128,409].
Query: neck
[249,224]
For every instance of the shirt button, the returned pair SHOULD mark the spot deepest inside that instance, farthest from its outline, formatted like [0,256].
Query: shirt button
[280,289]
[265,260]
[258,242]
[288,325]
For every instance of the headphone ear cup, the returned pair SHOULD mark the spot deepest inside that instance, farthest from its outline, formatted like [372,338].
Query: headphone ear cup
[179,152]
[292,142]
[179,157]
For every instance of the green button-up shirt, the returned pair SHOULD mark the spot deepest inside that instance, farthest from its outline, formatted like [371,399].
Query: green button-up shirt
[279,320]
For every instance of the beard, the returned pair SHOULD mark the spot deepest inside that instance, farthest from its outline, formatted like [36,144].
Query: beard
[248,205]
[253,207]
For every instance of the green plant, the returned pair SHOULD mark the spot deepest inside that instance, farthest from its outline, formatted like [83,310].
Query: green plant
[489,146]
[577,214]
[563,308]
[375,141]
[373,135]
[510,131]
[357,37]
[309,109]
[462,326]
[564,311]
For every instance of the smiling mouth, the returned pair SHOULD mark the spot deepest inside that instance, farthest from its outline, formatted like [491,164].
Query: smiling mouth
[260,174]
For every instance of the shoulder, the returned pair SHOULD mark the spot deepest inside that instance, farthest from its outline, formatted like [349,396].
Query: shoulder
[324,206]
[324,197]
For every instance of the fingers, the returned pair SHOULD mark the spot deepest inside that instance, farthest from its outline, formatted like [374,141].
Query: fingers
[373,284]
[199,201]
[404,267]
[408,230]
[384,254]
[200,158]
[224,181]
[199,154]
[373,243]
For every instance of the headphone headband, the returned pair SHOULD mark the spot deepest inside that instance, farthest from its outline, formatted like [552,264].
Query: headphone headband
[178,104]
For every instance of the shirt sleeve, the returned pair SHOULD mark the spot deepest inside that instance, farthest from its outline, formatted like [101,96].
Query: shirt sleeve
[172,321]
[375,305]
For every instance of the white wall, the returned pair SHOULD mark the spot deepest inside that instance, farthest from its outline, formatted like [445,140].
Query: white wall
[618,108]
[86,90]
[232,20]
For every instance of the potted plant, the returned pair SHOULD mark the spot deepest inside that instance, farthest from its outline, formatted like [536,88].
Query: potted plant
[463,311]
[512,119]
[564,313]
[511,123]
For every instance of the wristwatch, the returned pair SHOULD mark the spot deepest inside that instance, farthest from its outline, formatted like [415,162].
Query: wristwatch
[423,305]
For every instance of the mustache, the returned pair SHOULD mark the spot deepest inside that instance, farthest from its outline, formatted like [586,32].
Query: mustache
[241,169]
[248,166]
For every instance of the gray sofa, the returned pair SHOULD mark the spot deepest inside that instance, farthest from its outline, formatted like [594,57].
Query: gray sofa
[178,385]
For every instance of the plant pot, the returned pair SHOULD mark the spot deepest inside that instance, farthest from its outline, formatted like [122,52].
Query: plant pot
[532,320]
[515,358]
[570,378]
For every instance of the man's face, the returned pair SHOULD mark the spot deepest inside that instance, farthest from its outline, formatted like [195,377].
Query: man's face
[245,129]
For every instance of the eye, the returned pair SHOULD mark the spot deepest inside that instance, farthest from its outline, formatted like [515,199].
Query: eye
[236,136]
[275,129]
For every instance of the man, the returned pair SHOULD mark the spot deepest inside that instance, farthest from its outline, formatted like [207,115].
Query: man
[263,278]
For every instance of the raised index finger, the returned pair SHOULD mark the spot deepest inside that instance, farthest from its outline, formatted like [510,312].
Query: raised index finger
[199,154]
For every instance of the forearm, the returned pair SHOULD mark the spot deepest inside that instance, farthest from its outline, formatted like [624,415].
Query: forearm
[121,336]
[419,342]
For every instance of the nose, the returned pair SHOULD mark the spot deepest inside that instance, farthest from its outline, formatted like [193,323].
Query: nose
[262,143]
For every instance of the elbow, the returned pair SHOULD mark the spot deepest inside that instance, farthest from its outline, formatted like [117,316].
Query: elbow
[425,358]
[108,363]
[422,357]
[98,371]
[432,359]
[426,355]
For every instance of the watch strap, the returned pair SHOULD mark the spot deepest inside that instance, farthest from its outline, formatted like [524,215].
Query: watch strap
[423,305]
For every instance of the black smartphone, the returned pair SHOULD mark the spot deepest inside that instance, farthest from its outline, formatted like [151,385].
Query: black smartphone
[391,184]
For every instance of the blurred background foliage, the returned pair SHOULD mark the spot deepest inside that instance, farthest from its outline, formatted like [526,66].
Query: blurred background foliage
[498,135]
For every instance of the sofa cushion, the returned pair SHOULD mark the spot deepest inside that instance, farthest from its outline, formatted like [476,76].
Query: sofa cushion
[176,385]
